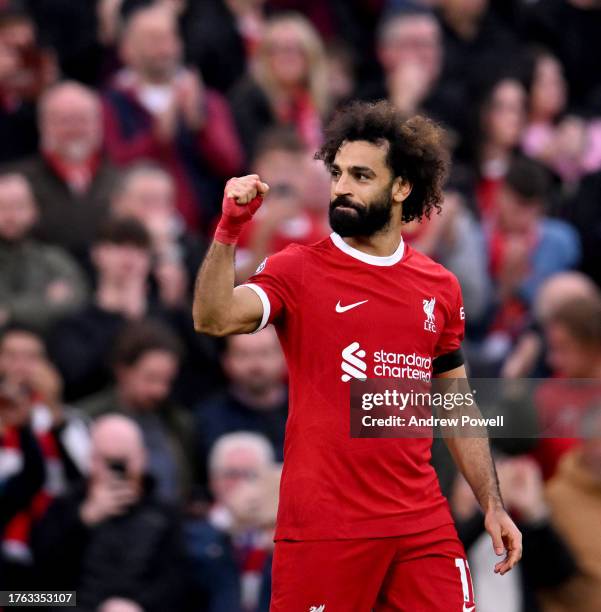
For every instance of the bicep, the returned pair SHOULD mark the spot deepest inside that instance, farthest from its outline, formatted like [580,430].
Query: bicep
[247,311]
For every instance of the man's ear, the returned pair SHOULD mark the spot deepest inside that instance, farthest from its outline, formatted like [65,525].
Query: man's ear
[401,188]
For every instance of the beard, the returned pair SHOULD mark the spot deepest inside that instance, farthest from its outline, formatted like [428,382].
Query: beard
[361,220]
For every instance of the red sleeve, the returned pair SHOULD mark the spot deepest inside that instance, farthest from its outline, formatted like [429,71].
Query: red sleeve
[218,139]
[277,282]
[454,326]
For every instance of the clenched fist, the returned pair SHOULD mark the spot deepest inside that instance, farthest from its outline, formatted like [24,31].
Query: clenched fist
[241,200]
[246,188]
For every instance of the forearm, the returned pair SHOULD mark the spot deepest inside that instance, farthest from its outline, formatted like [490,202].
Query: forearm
[474,460]
[214,288]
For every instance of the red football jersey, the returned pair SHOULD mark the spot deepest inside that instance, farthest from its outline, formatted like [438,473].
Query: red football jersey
[328,299]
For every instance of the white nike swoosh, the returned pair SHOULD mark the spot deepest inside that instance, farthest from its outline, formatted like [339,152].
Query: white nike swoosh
[468,608]
[340,308]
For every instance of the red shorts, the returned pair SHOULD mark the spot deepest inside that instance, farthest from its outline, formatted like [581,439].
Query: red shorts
[422,572]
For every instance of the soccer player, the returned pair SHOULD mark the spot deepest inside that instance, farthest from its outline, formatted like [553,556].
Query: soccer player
[362,523]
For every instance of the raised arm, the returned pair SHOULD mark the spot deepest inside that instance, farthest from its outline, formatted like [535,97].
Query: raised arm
[219,309]
[473,458]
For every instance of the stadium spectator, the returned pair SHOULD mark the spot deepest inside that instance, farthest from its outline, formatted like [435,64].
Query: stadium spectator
[574,497]
[475,41]
[231,549]
[294,209]
[81,343]
[25,70]
[61,430]
[568,144]
[561,26]
[70,177]
[111,540]
[256,397]
[158,109]
[582,210]
[38,283]
[342,77]
[21,464]
[524,247]
[527,357]
[61,434]
[146,192]
[498,121]
[409,50]
[145,363]
[211,27]
[547,561]
[573,334]
[287,85]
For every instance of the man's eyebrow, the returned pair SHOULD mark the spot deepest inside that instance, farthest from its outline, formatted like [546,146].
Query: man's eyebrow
[362,170]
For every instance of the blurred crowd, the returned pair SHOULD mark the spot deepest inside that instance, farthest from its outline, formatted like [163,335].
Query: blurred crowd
[139,461]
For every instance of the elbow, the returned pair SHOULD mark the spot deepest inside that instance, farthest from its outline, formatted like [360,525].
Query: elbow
[210,328]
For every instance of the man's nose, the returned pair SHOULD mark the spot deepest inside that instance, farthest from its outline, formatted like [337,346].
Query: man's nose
[342,186]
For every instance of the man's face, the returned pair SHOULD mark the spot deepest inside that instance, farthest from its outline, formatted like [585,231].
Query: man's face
[17,209]
[240,465]
[71,126]
[121,263]
[254,362]
[147,383]
[116,443]
[517,215]
[21,355]
[416,40]
[152,46]
[361,189]
[286,55]
[568,357]
[147,196]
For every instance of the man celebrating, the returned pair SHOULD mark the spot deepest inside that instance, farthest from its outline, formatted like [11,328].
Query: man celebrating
[362,523]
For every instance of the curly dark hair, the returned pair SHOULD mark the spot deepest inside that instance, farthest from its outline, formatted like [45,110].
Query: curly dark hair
[417,150]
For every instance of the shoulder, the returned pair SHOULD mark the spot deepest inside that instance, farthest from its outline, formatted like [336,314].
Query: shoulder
[288,258]
[558,230]
[52,256]
[428,267]
[99,404]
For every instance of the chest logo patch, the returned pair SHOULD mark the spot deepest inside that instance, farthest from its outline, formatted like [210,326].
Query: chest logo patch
[430,322]
[340,308]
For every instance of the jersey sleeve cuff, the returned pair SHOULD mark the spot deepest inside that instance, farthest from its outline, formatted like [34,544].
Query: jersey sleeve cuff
[448,361]
[266,305]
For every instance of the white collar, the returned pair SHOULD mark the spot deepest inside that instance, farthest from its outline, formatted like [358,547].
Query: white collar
[374,260]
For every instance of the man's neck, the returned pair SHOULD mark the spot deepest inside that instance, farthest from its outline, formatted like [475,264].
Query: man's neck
[130,298]
[267,399]
[381,244]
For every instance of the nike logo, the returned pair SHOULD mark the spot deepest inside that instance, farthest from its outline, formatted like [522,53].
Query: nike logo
[340,308]
[468,608]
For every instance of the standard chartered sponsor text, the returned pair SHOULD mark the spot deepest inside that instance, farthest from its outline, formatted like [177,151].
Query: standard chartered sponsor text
[401,365]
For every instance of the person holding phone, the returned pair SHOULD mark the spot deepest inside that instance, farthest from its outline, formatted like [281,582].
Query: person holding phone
[111,540]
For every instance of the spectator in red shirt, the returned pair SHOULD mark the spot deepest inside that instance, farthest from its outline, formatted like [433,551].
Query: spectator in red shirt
[70,176]
[158,109]
[573,333]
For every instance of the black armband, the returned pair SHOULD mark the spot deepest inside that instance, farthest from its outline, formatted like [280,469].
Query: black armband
[448,361]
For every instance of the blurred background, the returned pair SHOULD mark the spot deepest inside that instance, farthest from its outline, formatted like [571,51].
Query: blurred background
[139,462]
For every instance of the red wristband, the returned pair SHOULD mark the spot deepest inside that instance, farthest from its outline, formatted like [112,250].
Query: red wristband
[234,217]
